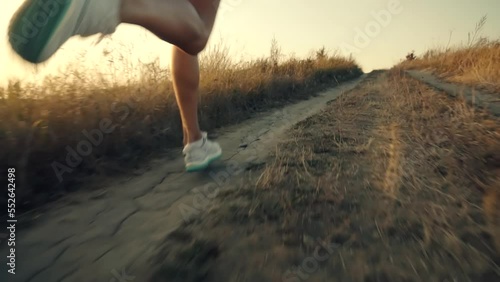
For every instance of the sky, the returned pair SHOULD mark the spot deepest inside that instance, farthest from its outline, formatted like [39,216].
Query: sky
[378,33]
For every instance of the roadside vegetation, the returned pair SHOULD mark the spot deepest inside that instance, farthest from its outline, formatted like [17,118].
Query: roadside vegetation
[474,63]
[82,123]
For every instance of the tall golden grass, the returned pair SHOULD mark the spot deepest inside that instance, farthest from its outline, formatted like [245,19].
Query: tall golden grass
[474,63]
[39,124]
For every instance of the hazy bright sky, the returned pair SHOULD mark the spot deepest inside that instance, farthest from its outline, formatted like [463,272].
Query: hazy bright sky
[247,27]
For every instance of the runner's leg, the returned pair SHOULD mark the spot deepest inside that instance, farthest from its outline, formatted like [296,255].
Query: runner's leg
[183,23]
[185,72]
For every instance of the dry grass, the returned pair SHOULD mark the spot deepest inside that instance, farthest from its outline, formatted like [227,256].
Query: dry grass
[459,143]
[475,63]
[402,179]
[39,123]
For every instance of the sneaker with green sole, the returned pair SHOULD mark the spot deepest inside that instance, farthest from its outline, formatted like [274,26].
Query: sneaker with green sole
[40,27]
[200,154]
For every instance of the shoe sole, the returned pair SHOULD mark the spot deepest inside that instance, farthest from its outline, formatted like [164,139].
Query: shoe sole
[40,27]
[203,165]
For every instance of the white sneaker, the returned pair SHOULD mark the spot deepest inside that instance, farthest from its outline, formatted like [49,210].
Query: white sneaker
[200,154]
[40,27]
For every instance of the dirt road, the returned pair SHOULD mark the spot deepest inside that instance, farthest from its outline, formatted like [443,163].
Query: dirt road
[95,234]
[391,181]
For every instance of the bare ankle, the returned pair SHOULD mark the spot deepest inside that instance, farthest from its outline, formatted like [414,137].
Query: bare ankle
[194,137]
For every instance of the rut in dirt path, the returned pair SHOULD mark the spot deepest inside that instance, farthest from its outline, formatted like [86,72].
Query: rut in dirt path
[386,184]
